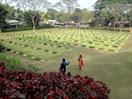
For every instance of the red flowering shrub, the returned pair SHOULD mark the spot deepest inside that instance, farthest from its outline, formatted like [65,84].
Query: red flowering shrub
[53,85]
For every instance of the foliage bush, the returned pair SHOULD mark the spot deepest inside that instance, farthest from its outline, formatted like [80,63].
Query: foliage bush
[53,85]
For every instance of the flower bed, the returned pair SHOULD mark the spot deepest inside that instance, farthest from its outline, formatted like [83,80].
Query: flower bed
[53,85]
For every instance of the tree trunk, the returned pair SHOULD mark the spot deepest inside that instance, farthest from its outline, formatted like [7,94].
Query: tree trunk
[33,22]
[0,30]
[114,26]
[120,27]
[130,27]
[34,28]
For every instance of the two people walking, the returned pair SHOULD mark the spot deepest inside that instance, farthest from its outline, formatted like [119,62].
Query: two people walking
[65,63]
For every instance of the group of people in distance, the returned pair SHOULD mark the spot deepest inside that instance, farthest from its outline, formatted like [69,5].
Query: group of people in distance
[64,63]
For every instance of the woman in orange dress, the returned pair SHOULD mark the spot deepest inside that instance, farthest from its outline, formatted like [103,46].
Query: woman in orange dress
[80,62]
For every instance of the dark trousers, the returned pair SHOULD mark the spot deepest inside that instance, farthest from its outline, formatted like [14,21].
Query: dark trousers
[63,70]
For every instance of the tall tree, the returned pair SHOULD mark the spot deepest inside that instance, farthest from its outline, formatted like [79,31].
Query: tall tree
[62,16]
[33,6]
[28,18]
[52,14]
[87,16]
[76,15]
[59,6]
[112,10]
[68,6]
[3,15]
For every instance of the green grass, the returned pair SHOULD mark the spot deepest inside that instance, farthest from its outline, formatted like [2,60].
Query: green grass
[10,62]
[14,64]
[113,68]
[46,44]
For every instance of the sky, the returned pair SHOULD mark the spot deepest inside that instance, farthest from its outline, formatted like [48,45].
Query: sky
[83,3]
[87,4]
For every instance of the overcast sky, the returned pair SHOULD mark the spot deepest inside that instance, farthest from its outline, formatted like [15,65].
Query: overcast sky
[83,3]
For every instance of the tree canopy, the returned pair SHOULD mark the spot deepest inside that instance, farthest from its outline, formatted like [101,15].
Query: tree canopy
[31,12]
[112,11]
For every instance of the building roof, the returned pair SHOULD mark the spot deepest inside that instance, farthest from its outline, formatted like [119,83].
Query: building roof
[13,22]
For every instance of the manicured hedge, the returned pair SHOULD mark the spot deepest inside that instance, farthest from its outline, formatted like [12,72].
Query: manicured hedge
[26,28]
[17,29]
[53,85]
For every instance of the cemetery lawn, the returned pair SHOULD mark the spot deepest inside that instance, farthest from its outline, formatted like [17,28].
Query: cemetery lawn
[107,54]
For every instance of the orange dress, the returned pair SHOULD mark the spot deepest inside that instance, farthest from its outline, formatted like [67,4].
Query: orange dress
[80,62]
